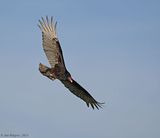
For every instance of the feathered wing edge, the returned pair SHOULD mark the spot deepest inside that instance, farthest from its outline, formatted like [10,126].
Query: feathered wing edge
[80,92]
[48,26]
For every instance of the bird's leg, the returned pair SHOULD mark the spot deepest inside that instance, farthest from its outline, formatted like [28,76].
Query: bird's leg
[46,71]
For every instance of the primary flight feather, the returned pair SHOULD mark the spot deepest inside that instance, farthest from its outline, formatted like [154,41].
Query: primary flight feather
[58,70]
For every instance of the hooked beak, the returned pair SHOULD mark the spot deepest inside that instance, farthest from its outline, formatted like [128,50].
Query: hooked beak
[70,79]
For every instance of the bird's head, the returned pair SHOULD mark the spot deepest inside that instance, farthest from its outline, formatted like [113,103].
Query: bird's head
[43,68]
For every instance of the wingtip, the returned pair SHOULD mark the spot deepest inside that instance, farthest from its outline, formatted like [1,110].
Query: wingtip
[87,104]
[47,25]
[96,105]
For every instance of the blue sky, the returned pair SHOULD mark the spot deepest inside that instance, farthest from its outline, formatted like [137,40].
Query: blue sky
[111,47]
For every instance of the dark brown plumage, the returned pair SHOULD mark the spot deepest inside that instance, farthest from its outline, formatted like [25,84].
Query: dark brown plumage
[53,51]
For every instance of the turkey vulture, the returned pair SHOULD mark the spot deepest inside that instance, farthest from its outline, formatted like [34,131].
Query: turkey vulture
[58,70]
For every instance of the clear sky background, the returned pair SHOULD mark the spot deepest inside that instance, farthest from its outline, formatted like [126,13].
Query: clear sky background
[111,47]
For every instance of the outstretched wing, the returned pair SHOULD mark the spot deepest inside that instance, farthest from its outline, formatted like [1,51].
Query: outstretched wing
[51,44]
[79,91]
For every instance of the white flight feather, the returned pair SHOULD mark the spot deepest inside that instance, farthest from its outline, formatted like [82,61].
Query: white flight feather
[48,27]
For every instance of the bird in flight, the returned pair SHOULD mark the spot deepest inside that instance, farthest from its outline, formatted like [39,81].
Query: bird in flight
[58,70]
